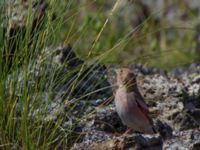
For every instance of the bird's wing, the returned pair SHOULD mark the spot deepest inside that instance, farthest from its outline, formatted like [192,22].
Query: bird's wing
[140,102]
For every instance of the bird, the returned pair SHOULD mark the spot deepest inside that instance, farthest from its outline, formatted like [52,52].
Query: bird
[130,105]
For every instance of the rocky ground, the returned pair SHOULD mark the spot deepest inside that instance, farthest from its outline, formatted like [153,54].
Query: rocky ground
[174,101]
[173,98]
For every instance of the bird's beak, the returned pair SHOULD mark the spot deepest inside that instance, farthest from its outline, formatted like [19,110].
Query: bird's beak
[117,71]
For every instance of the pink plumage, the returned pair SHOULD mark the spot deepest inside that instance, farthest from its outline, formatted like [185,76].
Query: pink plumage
[130,104]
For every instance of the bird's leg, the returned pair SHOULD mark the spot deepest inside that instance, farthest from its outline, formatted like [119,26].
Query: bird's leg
[128,131]
[124,138]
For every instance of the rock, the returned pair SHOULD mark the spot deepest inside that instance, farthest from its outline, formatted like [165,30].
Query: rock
[68,56]
[149,142]
[92,140]
[188,120]
[164,130]
[119,142]
[196,79]
[183,140]
[196,146]
[107,120]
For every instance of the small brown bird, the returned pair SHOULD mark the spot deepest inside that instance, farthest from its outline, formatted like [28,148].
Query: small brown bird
[130,104]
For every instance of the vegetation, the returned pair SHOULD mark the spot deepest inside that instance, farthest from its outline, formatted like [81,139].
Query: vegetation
[100,32]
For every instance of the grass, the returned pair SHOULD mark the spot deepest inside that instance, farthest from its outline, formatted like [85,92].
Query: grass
[32,84]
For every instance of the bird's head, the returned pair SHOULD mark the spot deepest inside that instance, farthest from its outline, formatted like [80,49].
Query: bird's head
[125,77]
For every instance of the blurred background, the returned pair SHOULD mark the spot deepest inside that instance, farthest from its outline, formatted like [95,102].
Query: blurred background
[159,33]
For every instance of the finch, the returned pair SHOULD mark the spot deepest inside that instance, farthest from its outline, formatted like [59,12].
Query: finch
[130,104]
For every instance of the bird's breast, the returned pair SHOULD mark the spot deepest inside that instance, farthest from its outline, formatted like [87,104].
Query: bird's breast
[122,103]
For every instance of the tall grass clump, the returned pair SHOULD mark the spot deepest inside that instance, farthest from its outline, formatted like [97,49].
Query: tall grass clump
[30,81]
